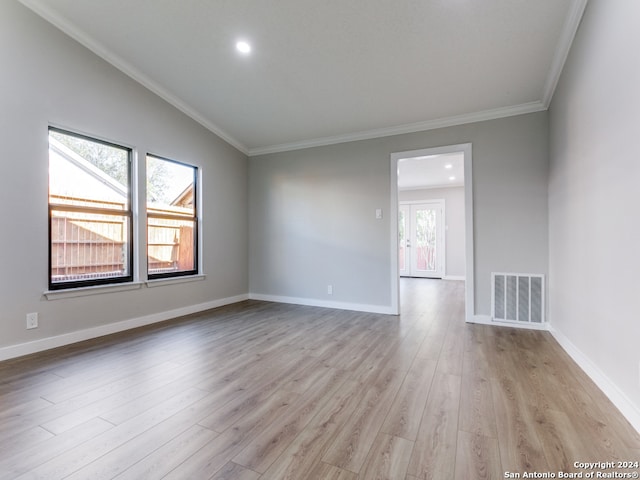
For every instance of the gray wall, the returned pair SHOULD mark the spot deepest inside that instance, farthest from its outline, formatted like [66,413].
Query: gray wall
[312,212]
[594,234]
[48,78]
[454,223]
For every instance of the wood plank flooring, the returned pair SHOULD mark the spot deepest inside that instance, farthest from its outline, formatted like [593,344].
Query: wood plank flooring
[263,391]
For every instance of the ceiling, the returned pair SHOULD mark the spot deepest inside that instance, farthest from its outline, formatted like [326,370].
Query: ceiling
[323,72]
[432,171]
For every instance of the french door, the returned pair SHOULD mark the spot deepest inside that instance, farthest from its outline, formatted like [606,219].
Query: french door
[421,239]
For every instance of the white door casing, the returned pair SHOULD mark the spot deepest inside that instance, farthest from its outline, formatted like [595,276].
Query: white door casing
[394,158]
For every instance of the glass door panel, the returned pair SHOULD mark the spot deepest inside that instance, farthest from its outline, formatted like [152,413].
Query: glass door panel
[421,239]
[403,257]
[425,243]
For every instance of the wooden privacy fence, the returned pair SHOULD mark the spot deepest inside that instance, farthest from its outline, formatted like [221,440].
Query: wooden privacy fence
[170,245]
[88,245]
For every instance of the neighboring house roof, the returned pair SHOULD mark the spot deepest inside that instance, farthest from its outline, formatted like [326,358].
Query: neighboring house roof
[185,198]
[81,177]
[77,177]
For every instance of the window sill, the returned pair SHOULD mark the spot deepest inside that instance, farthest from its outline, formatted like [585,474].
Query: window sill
[85,291]
[161,282]
[119,287]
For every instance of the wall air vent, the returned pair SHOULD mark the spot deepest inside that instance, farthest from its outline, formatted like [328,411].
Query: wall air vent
[517,297]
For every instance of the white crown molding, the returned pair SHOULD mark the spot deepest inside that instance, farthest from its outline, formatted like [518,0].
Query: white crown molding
[564,44]
[567,35]
[81,37]
[493,114]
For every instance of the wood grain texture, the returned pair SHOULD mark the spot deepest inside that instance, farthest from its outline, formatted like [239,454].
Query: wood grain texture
[305,452]
[477,457]
[559,448]
[158,462]
[388,458]
[354,440]
[268,391]
[27,460]
[233,471]
[262,451]
[435,448]
[477,414]
[210,459]
[405,414]
[516,430]
[324,471]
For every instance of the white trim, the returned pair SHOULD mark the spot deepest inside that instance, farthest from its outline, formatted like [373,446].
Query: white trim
[467,150]
[35,346]
[626,406]
[454,277]
[200,211]
[394,206]
[481,319]
[521,325]
[487,320]
[432,187]
[118,287]
[95,290]
[139,207]
[564,44]
[312,302]
[484,115]
[567,35]
[470,282]
[438,201]
[100,50]
[161,282]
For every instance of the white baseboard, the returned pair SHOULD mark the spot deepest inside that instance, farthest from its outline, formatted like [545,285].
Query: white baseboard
[481,319]
[312,302]
[35,346]
[488,320]
[630,411]
[610,389]
[454,277]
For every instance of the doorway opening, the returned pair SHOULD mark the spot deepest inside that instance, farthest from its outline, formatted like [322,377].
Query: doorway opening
[415,216]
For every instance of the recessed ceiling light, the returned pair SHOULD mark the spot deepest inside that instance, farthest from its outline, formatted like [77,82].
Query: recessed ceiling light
[452,178]
[243,47]
[448,166]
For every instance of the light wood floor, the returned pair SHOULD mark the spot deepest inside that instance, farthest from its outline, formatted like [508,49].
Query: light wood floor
[267,391]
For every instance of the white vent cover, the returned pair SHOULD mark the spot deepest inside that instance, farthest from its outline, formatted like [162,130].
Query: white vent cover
[517,297]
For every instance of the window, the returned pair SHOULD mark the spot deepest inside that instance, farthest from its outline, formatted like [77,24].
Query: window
[172,221]
[90,216]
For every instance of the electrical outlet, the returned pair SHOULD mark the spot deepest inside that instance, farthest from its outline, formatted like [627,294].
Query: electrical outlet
[32,320]
[329,289]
